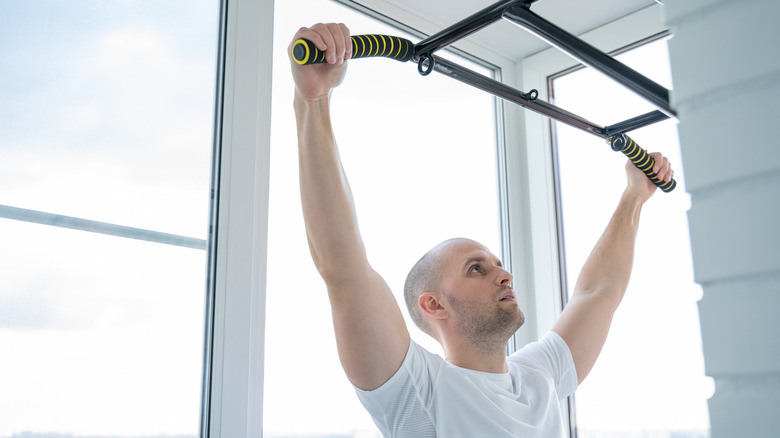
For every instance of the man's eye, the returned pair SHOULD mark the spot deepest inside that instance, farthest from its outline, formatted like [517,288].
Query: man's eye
[476,269]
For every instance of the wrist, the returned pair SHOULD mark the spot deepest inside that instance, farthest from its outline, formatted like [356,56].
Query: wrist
[311,105]
[315,99]
[633,198]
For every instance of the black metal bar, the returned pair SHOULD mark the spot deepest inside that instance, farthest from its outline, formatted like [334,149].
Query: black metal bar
[636,123]
[591,56]
[498,89]
[464,27]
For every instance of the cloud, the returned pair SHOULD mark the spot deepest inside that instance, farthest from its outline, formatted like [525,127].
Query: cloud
[119,131]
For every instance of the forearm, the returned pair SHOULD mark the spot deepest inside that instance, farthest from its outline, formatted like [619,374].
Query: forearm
[328,206]
[608,268]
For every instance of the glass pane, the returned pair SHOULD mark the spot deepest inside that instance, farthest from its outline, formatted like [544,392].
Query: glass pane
[101,336]
[649,380]
[107,110]
[106,115]
[420,156]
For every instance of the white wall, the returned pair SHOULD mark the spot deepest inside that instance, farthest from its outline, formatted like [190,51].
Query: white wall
[726,71]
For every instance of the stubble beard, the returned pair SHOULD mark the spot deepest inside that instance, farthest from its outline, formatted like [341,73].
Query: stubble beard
[487,332]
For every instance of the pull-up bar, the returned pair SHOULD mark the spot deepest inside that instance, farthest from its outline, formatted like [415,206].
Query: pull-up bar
[518,12]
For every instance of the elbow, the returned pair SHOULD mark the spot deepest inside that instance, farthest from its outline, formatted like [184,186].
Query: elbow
[606,298]
[337,270]
[607,289]
[330,274]
[339,260]
[328,267]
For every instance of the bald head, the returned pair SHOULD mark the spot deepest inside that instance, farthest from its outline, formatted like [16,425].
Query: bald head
[426,276]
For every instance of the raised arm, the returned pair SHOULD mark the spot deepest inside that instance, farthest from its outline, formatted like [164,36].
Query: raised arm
[585,321]
[371,334]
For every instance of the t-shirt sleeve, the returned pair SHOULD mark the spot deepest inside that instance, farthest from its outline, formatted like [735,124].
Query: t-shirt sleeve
[404,400]
[552,355]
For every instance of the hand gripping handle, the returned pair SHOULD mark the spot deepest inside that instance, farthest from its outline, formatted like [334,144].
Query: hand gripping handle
[363,46]
[641,159]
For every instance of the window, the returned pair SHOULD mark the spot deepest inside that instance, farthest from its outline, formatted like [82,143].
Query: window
[420,153]
[105,126]
[649,380]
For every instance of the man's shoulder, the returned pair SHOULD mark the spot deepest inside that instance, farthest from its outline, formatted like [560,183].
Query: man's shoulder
[419,364]
[540,352]
[551,358]
[420,357]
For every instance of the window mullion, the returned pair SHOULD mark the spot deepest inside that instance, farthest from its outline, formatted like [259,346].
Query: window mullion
[235,372]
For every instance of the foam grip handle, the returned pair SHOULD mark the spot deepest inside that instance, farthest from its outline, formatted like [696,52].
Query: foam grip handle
[363,46]
[641,159]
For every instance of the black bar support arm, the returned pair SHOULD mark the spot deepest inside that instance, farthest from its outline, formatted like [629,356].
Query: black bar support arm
[658,95]
[464,28]
[526,100]
[635,123]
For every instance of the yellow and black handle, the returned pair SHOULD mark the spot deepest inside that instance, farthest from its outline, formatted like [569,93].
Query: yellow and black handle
[363,46]
[641,159]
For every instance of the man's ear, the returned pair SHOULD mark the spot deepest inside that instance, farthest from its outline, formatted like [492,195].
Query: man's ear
[430,303]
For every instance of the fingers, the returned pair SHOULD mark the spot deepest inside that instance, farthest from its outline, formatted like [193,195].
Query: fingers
[331,38]
[662,167]
[340,33]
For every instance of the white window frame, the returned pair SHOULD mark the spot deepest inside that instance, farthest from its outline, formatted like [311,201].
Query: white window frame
[233,403]
[510,213]
[535,160]
[233,372]
[234,375]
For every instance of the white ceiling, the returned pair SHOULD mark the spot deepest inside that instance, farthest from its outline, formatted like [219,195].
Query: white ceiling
[509,40]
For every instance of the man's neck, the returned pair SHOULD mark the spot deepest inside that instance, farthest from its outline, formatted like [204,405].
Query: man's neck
[489,360]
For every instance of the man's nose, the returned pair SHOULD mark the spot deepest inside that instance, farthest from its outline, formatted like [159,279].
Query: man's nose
[504,278]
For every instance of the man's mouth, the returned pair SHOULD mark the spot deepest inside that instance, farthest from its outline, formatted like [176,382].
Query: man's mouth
[509,296]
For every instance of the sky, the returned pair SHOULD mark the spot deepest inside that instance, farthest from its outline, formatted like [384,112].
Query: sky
[107,115]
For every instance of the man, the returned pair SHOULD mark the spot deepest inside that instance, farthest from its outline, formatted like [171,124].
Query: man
[459,293]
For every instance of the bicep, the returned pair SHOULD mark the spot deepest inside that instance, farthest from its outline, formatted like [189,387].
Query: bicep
[371,334]
[584,325]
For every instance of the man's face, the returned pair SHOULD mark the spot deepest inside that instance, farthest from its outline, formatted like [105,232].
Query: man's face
[479,292]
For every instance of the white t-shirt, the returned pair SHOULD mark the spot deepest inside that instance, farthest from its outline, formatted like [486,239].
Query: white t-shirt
[428,397]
